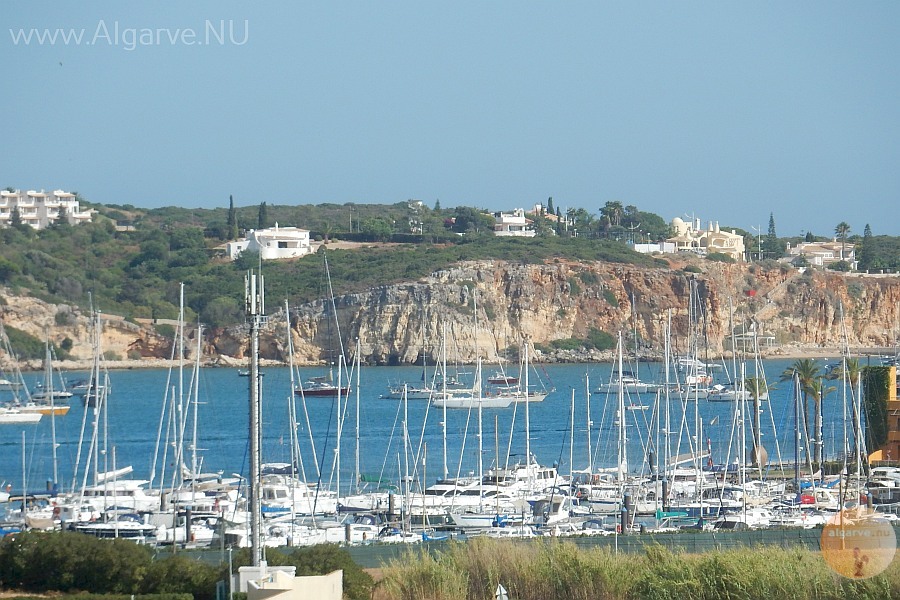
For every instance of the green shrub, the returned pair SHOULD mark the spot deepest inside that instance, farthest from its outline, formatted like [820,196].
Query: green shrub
[64,561]
[164,329]
[692,269]
[180,574]
[600,340]
[841,265]
[719,257]
[574,288]
[24,345]
[610,297]
[588,277]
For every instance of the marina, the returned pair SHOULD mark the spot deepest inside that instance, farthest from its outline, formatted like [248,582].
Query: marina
[411,459]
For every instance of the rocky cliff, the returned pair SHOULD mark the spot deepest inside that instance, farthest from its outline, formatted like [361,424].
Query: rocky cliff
[544,303]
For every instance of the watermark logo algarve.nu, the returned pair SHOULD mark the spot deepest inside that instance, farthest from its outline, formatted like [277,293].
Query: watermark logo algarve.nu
[115,35]
[858,542]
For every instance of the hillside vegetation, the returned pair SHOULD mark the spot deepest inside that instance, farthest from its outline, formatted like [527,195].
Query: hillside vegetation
[138,273]
[136,270]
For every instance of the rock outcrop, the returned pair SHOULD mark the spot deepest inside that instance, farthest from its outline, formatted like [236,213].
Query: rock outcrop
[562,300]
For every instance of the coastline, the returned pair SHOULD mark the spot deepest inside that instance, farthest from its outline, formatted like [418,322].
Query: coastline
[786,352]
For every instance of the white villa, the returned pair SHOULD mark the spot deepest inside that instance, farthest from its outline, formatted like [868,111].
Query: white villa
[41,209]
[821,254]
[272,243]
[514,224]
[691,237]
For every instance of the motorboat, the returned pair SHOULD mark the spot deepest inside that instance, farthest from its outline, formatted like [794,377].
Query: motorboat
[629,384]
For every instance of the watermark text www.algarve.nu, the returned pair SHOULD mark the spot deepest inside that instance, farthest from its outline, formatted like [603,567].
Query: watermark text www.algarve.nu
[115,35]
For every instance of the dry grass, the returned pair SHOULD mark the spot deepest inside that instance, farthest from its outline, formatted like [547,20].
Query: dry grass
[551,569]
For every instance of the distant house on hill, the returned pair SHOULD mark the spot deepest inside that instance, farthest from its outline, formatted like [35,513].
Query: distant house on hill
[41,209]
[273,243]
[513,224]
[691,237]
[822,254]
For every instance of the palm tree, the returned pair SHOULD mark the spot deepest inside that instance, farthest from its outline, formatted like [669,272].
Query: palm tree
[807,371]
[853,368]
[841,232]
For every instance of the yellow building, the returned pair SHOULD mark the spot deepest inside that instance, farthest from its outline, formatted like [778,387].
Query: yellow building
[890,451]
[691,237]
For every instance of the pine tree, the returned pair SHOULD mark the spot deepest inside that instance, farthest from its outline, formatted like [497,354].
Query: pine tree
[232,219]
[15,218]
[263,219]
[866,250]
[62,219]
[771,247]
[437,205]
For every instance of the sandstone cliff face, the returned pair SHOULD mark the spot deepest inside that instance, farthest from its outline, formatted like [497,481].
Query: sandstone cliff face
[395,324]
[567,299]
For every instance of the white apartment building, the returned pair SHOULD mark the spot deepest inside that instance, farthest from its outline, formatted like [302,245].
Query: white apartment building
[514,224]
[272,243]
[41,209]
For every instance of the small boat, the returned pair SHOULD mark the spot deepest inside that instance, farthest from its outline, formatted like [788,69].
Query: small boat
[246,373]
[58,395]
[8,386]
[411,392]
[500,378]
[12,415]
[629,382]
[44,409]
[320,387]
[727,393]
[688,392]
[472,401]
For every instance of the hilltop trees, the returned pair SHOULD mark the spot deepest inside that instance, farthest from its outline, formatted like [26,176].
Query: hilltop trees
[262,220]
[611,215]
[841,231]
[471,220]
[772,247]
[807,372]
[866,254]
[232,220]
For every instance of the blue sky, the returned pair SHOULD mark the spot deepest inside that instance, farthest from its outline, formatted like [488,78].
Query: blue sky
[725,111]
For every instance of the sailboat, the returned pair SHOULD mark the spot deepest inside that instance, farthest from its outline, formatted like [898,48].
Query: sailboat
[322,386]
[11,415]
[325,386]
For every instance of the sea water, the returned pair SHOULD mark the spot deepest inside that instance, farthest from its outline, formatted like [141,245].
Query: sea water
[150,414]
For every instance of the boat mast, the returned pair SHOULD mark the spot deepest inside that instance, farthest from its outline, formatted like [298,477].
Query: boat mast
[529,472]
[668,427]
[796,381]
[620,392]
[358,365]
[587,395]
[195,466]
[444,392]
[49,376]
